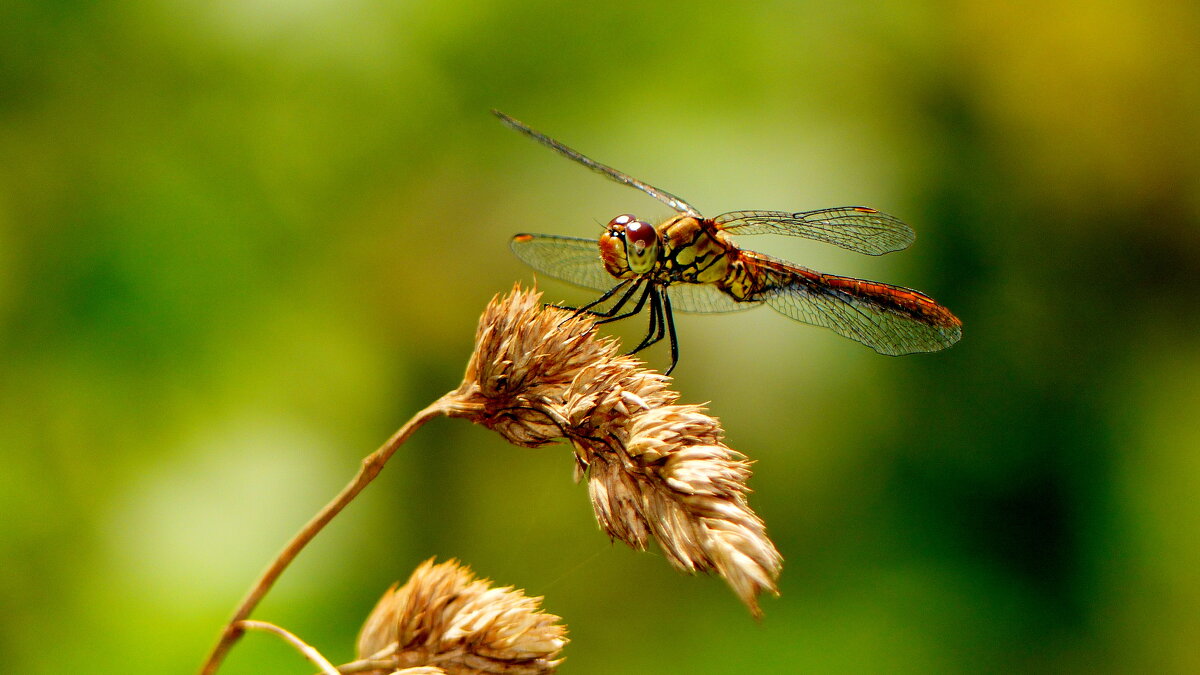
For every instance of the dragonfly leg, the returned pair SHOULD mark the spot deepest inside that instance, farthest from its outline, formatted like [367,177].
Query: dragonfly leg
[612,315]
[670,318]
[587,309]
[655,321]
[655,332]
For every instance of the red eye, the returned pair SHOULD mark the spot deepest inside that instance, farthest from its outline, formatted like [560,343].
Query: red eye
[621,220]
[640,234]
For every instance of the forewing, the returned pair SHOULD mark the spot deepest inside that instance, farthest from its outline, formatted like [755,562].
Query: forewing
[889,319]
[572,259]
[661,195]
[704,298]
[856,228]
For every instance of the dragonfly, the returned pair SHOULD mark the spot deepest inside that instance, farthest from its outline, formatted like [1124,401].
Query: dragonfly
[690,263]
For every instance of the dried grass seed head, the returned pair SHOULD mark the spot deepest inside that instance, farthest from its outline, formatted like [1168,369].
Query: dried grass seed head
[655,469]
[444,617]
[526,357]
[674,480]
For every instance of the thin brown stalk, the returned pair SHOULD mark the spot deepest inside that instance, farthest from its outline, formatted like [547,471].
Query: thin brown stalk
[656,470]
[301,646]
[364,665]
[371,466]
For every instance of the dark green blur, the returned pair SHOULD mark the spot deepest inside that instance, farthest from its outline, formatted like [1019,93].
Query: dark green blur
[240,243]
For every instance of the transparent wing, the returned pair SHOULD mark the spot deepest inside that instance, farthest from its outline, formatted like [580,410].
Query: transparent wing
[661,195]
[889,319]
[705,298]
[572,259]
[857,228]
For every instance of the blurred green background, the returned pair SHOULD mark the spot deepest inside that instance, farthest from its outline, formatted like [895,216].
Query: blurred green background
[241,242]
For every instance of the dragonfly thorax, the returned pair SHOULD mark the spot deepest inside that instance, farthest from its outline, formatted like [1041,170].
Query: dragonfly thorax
[629,247]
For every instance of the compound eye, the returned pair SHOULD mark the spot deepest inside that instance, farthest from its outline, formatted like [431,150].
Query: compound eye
[640,234]
[621,221]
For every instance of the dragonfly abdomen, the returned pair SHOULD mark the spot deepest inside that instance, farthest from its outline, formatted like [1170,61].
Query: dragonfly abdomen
[895,299]
[890,319]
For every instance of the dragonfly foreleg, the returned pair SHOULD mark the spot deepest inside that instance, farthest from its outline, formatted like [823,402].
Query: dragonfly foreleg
[587,309]
[612,315]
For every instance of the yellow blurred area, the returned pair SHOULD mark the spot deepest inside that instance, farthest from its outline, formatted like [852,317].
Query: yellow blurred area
[1097,99]
[241,243]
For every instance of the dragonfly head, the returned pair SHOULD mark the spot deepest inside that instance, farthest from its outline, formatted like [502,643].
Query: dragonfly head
[629,245]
